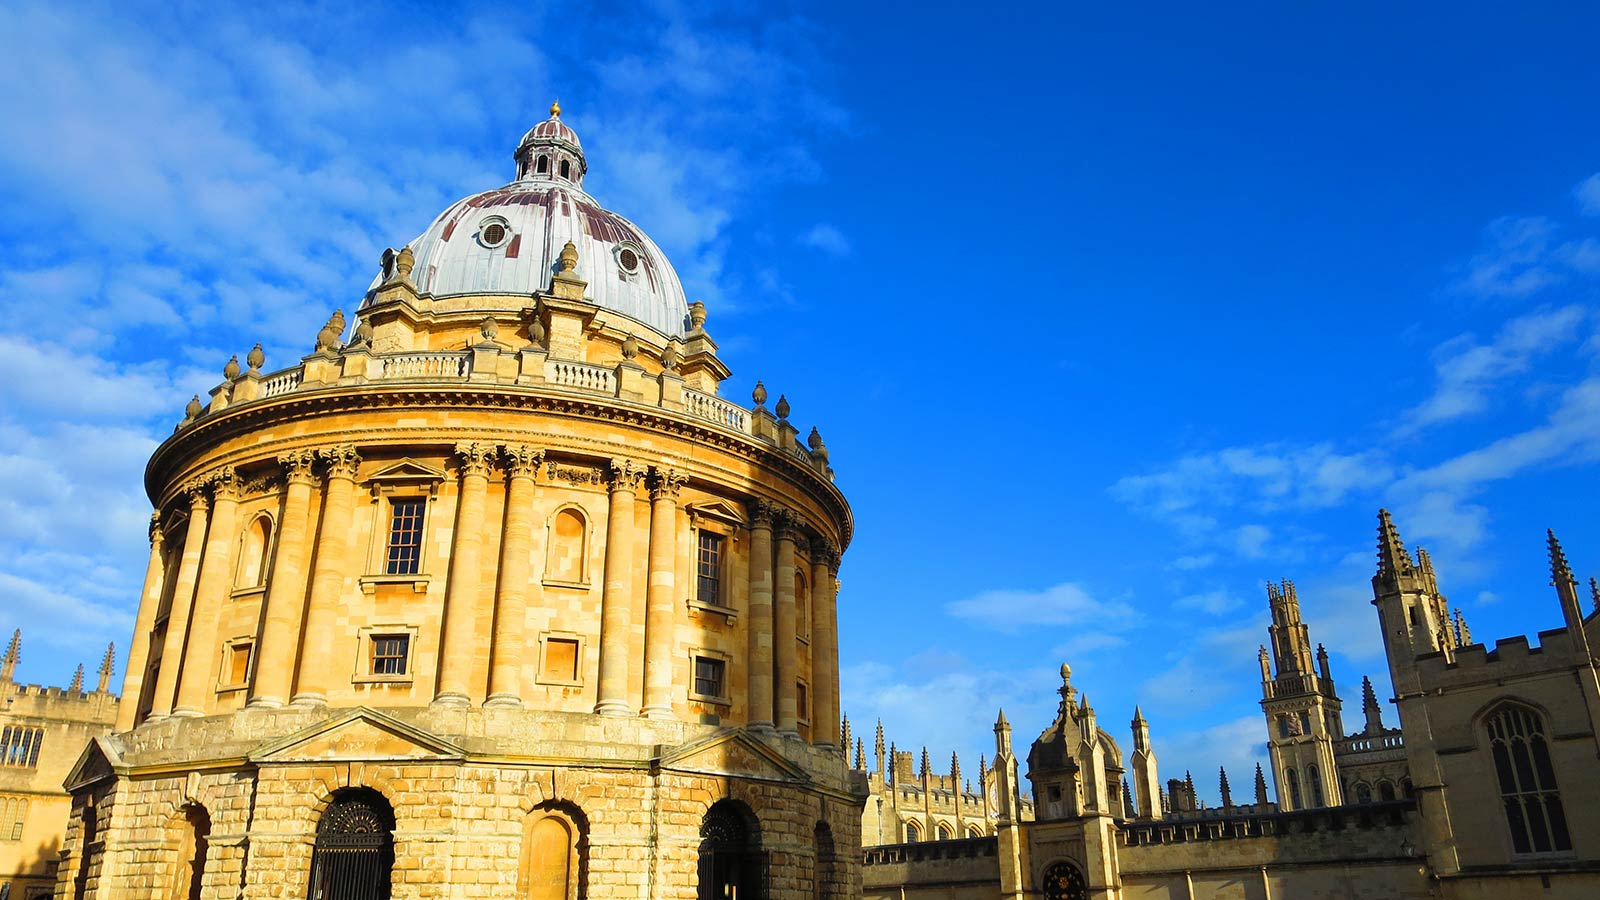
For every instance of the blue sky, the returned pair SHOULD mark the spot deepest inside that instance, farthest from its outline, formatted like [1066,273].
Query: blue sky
[1107,316]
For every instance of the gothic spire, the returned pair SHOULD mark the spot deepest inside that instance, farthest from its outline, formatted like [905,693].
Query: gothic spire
[1370,707]
[1128,809]
[1261,786]
[8,663]
[1560,572]
[1594,593]
[77,681]
[1463,633]
[1393,561]
[1227,793]
[861,755]
[924,762]
[106,665]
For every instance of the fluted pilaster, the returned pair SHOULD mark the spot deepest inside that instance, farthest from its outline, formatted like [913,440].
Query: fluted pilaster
[660,625]
[143,625]
[516,579]
[286,590]
[616,604]
[463,593]
[786,533]
[328,574]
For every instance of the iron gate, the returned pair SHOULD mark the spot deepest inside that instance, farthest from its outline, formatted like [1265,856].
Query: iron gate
[355,848]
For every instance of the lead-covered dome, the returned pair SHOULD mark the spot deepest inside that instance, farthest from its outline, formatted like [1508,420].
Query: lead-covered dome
[507,240]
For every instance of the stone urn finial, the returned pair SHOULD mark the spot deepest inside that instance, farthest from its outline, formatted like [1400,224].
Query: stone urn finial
[814,439]
[568,259]
[192,409]
[489,328]
[759,395]
[361,338]
[230,371]
[255,359]
[671,357]
[782,408]
[405,261]
[328,337]
[697,315]
[630,347]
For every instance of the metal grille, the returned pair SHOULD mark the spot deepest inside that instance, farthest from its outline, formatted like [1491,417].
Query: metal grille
[709,586]
[405,536]
[1063,881]
[355,849]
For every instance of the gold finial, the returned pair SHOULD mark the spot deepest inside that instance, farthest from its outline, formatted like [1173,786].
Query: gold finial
[555,110]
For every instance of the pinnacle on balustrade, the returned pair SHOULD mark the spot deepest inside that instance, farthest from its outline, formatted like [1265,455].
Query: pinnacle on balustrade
[1227,792]
[1261,785]
[328,339]
[759,395]
[1393,560]
[192,408]
[76,687]
[672,357]
[230,370]
[405,261]
[1560,572]
[568,260]
[630,347]
[107,663]
[255,359]
[697,315]
[782,409]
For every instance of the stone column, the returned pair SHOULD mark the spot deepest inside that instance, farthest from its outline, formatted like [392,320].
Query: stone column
[317,663]
[516,576]
[139,652]
[199,683]
[616,604]
[182,596]
[825,644]
[464,589]
[660,627]
[286,591]
[783,627]
[760,626]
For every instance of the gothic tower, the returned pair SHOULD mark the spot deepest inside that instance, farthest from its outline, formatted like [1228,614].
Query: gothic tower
[1301,707]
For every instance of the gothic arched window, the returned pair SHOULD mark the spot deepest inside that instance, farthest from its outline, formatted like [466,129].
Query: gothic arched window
[1063,881]
[1293,778]
[354,853]
[1363,792]
[943,832]
[1527,781]
[913,833]
[1316,786]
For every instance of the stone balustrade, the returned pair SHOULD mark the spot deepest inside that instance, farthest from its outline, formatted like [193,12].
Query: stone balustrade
[425,365]
[280,382]
[583,376]
[1369,744]
[715,409]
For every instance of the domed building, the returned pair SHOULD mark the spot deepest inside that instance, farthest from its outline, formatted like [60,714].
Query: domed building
[491,595]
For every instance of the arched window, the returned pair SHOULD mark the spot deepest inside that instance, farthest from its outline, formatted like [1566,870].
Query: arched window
[943,832]
[566,168]
[544,164]
[1293,778]
[825,878]
[1063,881]
[974,832]
[1363,792]
[1385,790]
[188,877]
[567,548]
[1527,781]
[253,546]
[1405,788]
[1315,783]
[732,864]
[554,854]
[354,853]
[913,833]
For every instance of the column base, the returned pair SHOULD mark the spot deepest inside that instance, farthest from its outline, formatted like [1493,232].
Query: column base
[264,703]
[505,700]
[826,745]
[657,712]
[451,698]
[185,712]
[762,728]
[612,708]
[308,701]
[789,734]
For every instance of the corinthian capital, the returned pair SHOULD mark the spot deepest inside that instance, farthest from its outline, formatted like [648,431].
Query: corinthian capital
[825,552]
[195,490]
[298,466]
[476,458]
[156,537]
[788,526]
[665,482]
[521,460]
[763,512]
[341,459]
[625,474]
[225,483]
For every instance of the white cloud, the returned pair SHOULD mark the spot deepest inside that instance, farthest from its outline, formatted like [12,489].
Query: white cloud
[1215,602]
[1067,604]
[1237,745]
[1587,193]
[828,239]
[1515,261]
[1194,561]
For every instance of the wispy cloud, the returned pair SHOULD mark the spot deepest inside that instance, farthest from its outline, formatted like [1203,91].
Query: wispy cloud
[826,238]
[1067,604]
[1587,193]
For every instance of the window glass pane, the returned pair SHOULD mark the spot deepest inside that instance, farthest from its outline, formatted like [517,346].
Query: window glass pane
[708,676]
[389,654]
[709,584]
[405,536]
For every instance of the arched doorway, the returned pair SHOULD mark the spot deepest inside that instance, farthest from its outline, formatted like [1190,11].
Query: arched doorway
[1063,881]
[732,866]
[825,873]
[194,834]
[355,848]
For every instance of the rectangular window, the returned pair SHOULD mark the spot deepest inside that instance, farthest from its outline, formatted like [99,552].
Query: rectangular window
[389,653]
[560,660]
[802,699]
[708,675]
[708,587]
[405,536]
[19,746]
[239,663]
[13,813]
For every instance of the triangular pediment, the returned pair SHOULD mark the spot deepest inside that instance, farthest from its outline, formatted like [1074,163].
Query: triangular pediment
[98,762]
[732,753]
[720,510]
[360,735]
[407,469]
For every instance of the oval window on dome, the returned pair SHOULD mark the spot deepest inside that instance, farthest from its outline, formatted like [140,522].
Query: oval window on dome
[628,259]
[493,232]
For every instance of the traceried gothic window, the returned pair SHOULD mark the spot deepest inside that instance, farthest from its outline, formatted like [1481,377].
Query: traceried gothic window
[1363,792]
[1314,777]
[913,833]
[404,555]
[1293,778]
[1063,881]
[1527,781]
[13,815]
[19,746]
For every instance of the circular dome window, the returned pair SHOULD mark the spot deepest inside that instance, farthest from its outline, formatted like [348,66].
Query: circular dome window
[493,232]
[628,259]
